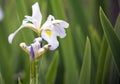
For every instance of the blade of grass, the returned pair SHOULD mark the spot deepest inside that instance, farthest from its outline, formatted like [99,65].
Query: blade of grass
[5,58]
[95,42]
[85,72]
[107,65]
[104,77]
[101,60]
[79,16]
[77,32]
[95,48]
[117,26]
[113,72]
[1,79]
[111,37]
[52,70]
[79,50]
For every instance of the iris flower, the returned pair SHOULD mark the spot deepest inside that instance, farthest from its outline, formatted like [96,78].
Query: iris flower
[35,50]
[48,31]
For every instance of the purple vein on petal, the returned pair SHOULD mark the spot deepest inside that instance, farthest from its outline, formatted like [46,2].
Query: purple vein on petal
[32,52]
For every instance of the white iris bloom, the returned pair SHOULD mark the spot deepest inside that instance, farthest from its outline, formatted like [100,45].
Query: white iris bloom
[48,31]
[53,28]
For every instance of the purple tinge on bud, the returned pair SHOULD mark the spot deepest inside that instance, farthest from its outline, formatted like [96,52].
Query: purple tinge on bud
[32,52]
[43,39]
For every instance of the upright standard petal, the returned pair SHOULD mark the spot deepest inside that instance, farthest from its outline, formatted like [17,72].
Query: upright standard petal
[50,18]
[48,22]
[36,14]
[36,17]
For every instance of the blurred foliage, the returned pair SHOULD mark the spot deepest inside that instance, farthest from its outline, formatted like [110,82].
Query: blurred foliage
[89,54]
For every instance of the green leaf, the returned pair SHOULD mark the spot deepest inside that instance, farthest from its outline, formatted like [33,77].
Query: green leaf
[86,66]
[57,8]
[79,14]
[1,79]
[21,9]
[117,26]
[52,70]
[101,60]
[80,40]
[95,42]
[113,75]
[107,66]
[111,37]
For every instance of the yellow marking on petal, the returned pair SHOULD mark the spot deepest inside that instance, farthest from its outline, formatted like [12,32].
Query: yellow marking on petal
[48,32]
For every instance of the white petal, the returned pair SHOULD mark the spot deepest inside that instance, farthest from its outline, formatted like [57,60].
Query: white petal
[48,22]
[59,26]
[39,39]
[29,25]
[36,46]
[47,34]
[60,30]
[30,20]
[36,17]
[25,47]
[61,23]
[52,22]
[12,35]
[50,18]
[51,39]
[53,44]
[43,49]
[25,25]
[56,25]
[36,14]
[10,38]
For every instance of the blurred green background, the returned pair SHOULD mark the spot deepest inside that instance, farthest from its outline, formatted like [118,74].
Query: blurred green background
[89,54]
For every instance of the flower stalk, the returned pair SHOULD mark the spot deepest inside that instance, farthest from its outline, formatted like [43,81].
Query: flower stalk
[37,71]
[34,72]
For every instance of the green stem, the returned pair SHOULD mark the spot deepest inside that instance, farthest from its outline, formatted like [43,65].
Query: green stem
[34,71]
